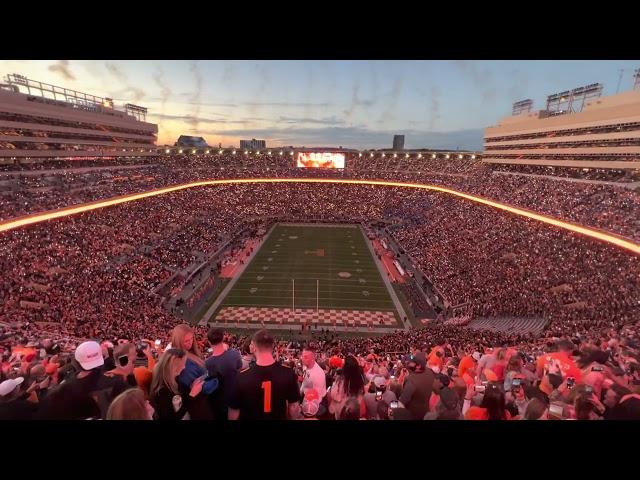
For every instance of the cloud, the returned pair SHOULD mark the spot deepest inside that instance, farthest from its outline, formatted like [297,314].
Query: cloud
[129,92]
[116,71]
[321,121]
[482,79]
[165,91]
[356,101]
[197,93]
[62,69]
[191,120]
[287,104]
[434,112]
[387,115]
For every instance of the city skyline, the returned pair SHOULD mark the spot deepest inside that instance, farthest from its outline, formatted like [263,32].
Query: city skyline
[356,104]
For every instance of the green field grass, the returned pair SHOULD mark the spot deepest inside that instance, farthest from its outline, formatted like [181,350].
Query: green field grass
[312,255]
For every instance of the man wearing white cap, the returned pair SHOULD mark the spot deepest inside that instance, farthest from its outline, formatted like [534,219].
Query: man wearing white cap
[88,393]
[13,405]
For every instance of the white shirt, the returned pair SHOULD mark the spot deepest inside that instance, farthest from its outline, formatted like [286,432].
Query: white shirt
[314,377]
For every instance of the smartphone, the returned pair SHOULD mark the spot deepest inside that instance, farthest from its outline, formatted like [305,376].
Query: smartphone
[479,388]
[394,404]
[588,389]
[392,377]
[571,382]
[158,343]
[598,368]
[516,382]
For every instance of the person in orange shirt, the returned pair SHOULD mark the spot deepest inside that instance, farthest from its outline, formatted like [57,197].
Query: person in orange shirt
[491,408]
[466,363]
[559,362]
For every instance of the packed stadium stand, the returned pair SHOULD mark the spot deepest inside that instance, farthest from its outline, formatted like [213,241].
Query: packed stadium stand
[533,314]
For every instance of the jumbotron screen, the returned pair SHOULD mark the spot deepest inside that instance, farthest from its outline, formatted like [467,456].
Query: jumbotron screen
[320,160]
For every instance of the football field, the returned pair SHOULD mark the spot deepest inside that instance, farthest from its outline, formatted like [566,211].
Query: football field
[324,272]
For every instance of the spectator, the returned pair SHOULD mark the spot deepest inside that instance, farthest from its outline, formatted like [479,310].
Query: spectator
[536,410]
[182,337]
[248,357]
[348,384]
[88,393]
[313,377]
[130,405]
[447,408]
[417,387]
[13,404]
[166,397]
[350,410]
[492,407]
[267,390]
[226,363]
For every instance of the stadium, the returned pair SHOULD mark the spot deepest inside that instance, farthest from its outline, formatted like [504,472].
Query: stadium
[420,284]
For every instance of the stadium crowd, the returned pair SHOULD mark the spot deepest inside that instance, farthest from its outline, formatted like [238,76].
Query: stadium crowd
[107,263]
[92,277]
[606,206]
[439,372]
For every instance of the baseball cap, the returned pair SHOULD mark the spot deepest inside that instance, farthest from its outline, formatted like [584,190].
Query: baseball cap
[10,385]
[419,359]
[476,356]
[310,407]
[89,355]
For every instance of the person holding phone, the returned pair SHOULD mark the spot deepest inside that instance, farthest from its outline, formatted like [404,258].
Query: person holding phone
[198,406]
[167,399]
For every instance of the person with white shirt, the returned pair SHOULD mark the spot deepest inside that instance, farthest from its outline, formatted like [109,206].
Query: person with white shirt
[314,377]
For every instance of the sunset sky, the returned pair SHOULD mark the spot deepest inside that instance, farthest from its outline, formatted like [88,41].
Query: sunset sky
[357,104]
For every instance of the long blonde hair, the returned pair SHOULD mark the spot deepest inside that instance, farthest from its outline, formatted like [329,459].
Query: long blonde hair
[177,341]
[163,375]
[129,405]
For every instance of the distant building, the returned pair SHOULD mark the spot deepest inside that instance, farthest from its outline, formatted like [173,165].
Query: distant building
[253,144]
[188,141]
[398,142]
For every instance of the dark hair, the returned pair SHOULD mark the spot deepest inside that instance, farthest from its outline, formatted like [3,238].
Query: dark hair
[583,407]
[493,400]
[565,346]
[351,409]
[246,345]
[352,376]
[263,340]
[215,335]
[535,409]
[597,356]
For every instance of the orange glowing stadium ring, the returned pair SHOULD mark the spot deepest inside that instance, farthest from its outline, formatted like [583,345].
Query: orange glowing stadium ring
[64,212]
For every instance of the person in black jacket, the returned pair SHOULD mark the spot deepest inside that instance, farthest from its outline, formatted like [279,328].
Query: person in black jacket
[166,397]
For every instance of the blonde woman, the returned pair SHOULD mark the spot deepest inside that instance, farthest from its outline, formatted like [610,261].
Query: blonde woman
[182,337]
[166,398]
[130,405]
